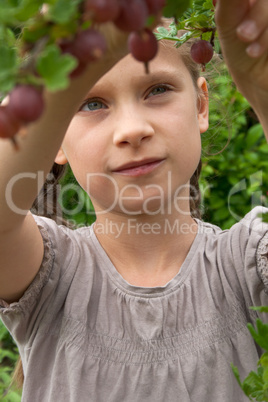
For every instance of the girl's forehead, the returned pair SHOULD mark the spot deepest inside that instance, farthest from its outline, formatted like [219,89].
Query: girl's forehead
[167,56]
[167,63]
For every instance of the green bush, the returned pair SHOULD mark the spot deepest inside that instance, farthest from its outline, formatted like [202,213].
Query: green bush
[235,165]
[8,358]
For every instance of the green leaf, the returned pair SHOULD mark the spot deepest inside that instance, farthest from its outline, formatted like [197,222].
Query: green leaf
[21,11]
[264,218]
[36,31]
[262,309]
[254,134]
[12,397]
[27,9]
[175,8]
[236,374]
[221,214]
[7,14]
[55,68]
[65,30]
[173,29]
[8,67]
[8,37]
[62,11]
[265,372]
[253,384]
[163,31]
[261,334]
[263,148]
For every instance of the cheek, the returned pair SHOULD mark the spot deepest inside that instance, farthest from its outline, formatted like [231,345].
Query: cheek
[185,146]
[185,137]
[84,148]
[83,136]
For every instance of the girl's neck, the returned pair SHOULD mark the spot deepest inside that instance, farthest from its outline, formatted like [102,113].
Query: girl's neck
[146,250]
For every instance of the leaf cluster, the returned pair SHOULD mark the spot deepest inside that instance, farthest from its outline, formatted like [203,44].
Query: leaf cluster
[235,166]
[197,20]
[29,52]
[30,31]
[255,385]
[8,358]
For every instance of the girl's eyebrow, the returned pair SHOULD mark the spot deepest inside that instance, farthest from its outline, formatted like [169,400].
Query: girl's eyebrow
[159,76]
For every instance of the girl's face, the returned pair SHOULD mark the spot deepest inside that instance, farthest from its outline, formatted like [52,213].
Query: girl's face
[135,142]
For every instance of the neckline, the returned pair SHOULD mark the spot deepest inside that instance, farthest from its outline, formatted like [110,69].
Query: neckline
[149,292]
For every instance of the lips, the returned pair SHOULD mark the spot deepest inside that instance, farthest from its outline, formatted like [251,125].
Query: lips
[138,168]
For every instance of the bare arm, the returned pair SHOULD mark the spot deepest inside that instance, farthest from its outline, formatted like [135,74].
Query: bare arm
[21,246]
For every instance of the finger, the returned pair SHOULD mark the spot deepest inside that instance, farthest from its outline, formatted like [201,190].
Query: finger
[230,13]
[255,22]
[257,49]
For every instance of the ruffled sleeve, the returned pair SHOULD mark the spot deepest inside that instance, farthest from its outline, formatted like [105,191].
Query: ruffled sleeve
[32,293]
[48,290]
[262,260]
[244,250]
[254,239]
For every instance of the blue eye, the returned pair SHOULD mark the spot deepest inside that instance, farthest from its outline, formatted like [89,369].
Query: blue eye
[158,90]
[93,105]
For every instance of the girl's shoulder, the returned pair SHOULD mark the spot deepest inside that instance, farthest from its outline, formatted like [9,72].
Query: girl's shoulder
[252,224]
[62,229]
[239,255]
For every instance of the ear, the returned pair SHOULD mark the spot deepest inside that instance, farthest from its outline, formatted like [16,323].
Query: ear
[61,157]
[203,104]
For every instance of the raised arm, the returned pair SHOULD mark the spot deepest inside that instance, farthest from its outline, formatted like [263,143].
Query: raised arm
[21,246]
[243,31]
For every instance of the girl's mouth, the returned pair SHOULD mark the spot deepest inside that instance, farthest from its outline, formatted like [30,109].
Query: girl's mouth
[139,168]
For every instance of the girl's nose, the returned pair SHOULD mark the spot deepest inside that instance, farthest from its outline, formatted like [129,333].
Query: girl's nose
[132,129]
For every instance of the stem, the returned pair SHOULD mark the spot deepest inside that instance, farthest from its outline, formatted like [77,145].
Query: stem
[146,65]
[212,39]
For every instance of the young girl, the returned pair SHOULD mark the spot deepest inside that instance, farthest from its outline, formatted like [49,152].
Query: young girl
[149,303]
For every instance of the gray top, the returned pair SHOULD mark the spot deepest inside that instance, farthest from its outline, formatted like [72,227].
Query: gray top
[85,334]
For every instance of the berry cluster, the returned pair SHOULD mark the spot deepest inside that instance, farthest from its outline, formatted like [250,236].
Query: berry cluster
[26,103]
[87,44]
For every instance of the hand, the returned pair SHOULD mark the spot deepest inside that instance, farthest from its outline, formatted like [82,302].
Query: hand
[246,54]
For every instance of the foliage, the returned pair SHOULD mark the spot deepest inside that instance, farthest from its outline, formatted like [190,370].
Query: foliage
[29,40]
[255,385]
[235,166]
[198,22]
[75,202]
[8,357]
